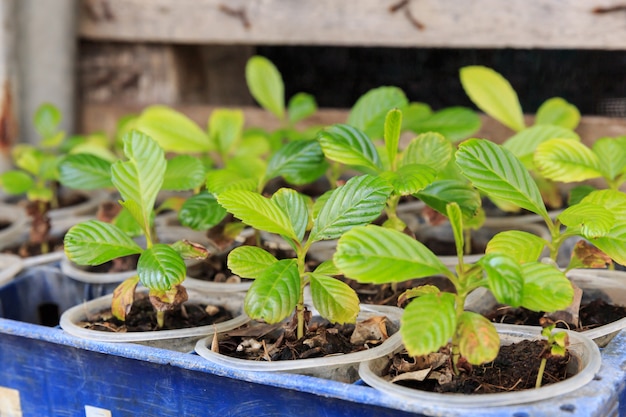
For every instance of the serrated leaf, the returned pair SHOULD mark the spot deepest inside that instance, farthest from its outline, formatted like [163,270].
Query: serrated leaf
[566,161]
[172,130]
[495,171]
[301,106]
[221,180]
[127,223]
[183,172]
[430,149]
[48,169]
[201,212]
[557,111]
[46,120]
[190,250]
[27,158]
[409,179]
[274,294]
[454,123]
[299,162]
[428,323]
[393,128]
[479,341]
[524,143]
[161,268]
[455,217]
[249,261]
[614,243]
[85,172]
[359,201]
[257,211]
[368,113]
[266,85]
[373,254]
[505,278]
[413,114]
[334,300]
[438,194]
[139,179]
[576,194]
[296,207]
[592,219]
[612,200]
[417,292]
[94,242]
[493,94]
[327,268]
[522,246]
[545,288]
[612,154]
[16,182]
[349,146]
[225,129]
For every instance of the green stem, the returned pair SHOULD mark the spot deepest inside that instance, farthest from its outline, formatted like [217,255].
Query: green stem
[160,316]
[301,256]
[542,368]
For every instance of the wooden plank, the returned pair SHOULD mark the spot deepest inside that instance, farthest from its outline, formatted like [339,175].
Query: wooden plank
[597,24]
[103,117]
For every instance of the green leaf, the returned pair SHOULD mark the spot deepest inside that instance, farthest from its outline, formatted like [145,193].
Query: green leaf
[257,211]
[334,300]
[48,170]
[190,250]
[592,219]
[545,288]
[273,295]
[576,194]
[299,162]
[94,242]
[183,172]
[479,341]
[438,194]
[249,261]
[428,323]
[413,114]
[522,246]
[85,172]
[46,120]
[221,180]
[505,278]
[454,123]
[495,171]
[524,143]
[409,179]
[430,149]
[16,182]
[566,161]
[359,201]
[127,223]
[172,130]
[301,106]
[393,127]
[140,178]
[39,194]
[327,268]
[161,268]
[201,212]
[296,207]
[493,94]
[612,200]
[612,154]
[374,254]
[266,85]
[557,111]
[614,243]
[28,158]
[455,216]
[225,129]
[349,146]
[368,113]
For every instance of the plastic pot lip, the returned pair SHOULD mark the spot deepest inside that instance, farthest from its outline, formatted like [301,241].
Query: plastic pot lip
[10,266]
[591,365]
[18,220]
[385,348]
[515,221]
[79,313]
[87,207]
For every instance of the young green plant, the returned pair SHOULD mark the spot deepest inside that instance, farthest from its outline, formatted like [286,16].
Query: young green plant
[161,267]
[279,285]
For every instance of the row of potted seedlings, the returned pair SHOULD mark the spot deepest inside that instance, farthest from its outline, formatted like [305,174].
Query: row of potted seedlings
[294,308]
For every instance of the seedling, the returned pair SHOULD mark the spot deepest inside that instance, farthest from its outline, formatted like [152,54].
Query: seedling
[279,285]
[556,345]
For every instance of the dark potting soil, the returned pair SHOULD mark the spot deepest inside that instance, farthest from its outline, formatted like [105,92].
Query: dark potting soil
[4,224]
[514,369]
[591,314]
[26,250]
[387,294]
[142,318]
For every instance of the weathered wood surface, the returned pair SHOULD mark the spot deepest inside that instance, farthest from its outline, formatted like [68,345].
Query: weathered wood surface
[103,117]
[594,24]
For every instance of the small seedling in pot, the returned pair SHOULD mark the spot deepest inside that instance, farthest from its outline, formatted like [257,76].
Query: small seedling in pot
[161,267]
[279,285]
[556,345]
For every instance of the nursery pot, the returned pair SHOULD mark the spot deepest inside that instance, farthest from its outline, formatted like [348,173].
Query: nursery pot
[586,362]
[182,340]
[15,220]
[336,367]
[10,266]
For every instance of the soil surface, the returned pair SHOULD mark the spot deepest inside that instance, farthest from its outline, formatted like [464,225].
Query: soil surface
[33,249]
[387,294]
[142,318]
[514,369]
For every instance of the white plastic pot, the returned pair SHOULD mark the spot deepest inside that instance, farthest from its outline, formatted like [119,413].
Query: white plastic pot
[182,340]
[86,208]
[10,266]
[584,368]
[336,367]
[17,219]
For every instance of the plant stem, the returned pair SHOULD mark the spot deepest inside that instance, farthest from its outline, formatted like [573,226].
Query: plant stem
[301,256]
[542,368]
[160,316]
